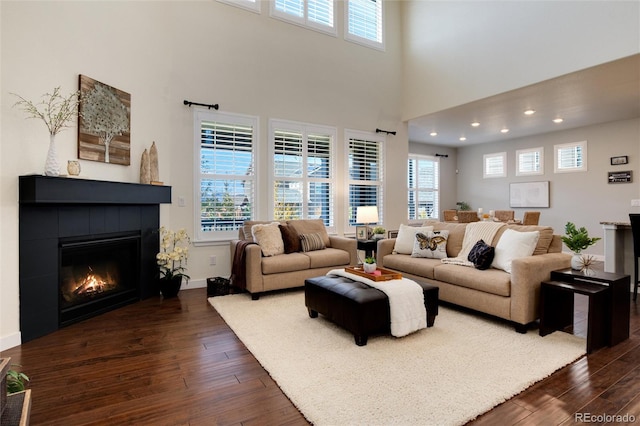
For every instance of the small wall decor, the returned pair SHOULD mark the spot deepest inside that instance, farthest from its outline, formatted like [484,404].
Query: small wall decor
[104,123]
[620,177]
[529,194]
[620,159]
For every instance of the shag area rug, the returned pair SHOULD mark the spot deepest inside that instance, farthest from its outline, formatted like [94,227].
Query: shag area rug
[444,375]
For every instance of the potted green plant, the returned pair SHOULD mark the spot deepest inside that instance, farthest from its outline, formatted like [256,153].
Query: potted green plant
[576,240]
[378,232]
[172,260]
[16,381]
[463,205]
[370,265]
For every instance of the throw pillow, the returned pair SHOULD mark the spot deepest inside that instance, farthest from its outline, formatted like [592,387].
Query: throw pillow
[407,236]
[268,238]
[482,255]
[432,245]
[290,238]
[311,242]
[513,245]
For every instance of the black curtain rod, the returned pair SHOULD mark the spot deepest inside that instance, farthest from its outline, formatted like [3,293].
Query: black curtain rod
[442,155]
[189,103]
[385,131]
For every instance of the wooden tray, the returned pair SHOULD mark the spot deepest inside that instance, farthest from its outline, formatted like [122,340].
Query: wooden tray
[387,274]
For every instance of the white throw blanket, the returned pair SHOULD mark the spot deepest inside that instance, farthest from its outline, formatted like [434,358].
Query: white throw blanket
[406,302]
[474,232]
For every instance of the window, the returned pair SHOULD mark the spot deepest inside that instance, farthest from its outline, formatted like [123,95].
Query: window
[303,183]
[364,156]
[530,161]
[315,14]
[423,180]
[570,157]
[225,180]
[364,20]
[252,5]
[495,165]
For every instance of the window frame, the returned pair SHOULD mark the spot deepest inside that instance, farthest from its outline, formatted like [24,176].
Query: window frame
[520,152]
[252,6]
[206,115]
[495,155]
[570,145]
[364,41]
[418,189]
[379,183]
[305,129]
[304,21]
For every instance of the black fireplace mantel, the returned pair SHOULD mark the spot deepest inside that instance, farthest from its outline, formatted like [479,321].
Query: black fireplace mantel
[55,209]
[40,189]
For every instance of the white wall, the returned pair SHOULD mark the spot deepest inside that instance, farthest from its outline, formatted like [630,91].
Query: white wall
[162,53]
[460,51]
[584,198]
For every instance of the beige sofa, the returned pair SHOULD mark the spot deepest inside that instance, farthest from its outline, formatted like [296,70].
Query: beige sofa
[514,297]
[290,270]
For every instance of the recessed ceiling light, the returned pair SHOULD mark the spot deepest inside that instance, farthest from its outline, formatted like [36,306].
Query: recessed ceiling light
[530,111]
[463,139]
[558,120]
[475,124]
[504,131]
[433,133]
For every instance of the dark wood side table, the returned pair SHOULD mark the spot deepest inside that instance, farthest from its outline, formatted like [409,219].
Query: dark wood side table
[369,247]
[608,316]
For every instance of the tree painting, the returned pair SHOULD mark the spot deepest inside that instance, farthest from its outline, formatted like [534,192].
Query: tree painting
[104,130]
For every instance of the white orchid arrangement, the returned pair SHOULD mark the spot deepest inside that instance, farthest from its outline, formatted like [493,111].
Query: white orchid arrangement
[174,250]
[56,110]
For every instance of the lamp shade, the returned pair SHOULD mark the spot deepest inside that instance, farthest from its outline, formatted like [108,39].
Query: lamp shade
[367,214]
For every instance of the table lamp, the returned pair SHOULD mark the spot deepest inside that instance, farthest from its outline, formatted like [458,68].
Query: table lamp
[367,215]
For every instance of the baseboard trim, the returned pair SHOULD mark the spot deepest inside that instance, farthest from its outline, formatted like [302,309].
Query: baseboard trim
[10,341]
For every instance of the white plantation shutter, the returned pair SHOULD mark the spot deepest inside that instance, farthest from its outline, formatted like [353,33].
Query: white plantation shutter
[302,171]
[364,21]
[365,174]
[495,165]
[529,161]
[423,182]
[570,157]
[315,14]
[226,174]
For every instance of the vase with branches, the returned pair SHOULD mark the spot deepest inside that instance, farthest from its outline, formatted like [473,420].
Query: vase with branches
[57,112]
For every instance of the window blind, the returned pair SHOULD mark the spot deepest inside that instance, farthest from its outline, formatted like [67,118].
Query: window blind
[365,176]
[365,19]
[423,182]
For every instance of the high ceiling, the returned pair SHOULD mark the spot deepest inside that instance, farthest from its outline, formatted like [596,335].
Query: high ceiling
[607,92]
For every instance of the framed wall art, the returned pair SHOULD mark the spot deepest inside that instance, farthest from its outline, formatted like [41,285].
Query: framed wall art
[529,194]
[620,159]
[104,123]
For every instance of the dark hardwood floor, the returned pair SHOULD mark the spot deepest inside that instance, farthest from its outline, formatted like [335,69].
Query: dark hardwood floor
[175,362]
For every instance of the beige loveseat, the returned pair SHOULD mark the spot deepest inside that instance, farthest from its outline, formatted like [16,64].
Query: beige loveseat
[513,296]
[289,270]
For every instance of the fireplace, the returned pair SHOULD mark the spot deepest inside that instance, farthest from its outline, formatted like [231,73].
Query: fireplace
[97,275]
[99,235]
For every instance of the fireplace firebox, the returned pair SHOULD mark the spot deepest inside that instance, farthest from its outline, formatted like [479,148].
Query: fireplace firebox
[97,274]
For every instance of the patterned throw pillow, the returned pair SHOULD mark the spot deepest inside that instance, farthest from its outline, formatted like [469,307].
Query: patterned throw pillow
[481,255]
[432,244]
[311,242]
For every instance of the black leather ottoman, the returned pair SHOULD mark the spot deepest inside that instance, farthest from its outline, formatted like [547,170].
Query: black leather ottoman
[355,306]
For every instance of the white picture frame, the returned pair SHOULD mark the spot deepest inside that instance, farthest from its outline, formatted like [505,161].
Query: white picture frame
[529,194]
